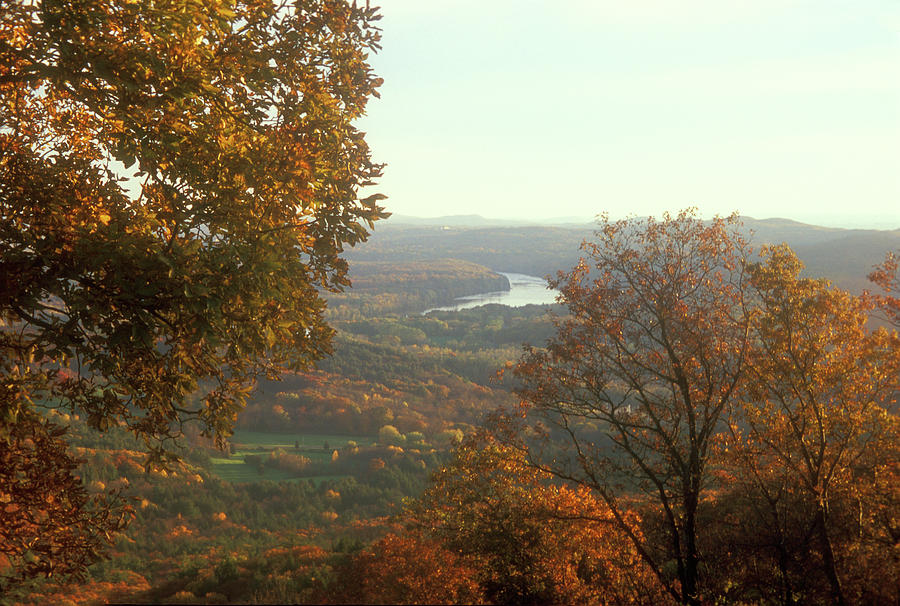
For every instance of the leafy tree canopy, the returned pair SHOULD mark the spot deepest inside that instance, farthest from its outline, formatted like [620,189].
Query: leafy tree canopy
[177,182]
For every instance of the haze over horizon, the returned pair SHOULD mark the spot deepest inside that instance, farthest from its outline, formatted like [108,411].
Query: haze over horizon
[541,109]
[887,223]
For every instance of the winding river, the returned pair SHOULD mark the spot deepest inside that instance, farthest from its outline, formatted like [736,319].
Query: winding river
[523,290]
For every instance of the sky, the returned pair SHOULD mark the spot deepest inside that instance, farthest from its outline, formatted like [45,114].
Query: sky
[540,109]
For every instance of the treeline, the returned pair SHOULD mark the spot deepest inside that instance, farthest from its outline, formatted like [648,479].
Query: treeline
[402,366]
[410,286]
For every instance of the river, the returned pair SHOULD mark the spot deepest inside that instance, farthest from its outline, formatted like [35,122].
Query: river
[523,290]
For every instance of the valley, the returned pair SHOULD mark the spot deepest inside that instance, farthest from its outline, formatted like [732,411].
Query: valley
[322,461]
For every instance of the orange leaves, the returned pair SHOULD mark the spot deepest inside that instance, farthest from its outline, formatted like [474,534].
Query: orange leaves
[527,539]
[816,363]
[408,569]
[886,277]
[180,531]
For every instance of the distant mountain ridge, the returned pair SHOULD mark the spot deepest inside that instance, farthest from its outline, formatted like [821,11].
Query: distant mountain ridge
[769,225]
[479,221]
[845,256]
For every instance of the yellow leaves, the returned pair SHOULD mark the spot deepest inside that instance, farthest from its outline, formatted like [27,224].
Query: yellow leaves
[817,394]
[162,285]
[180,531]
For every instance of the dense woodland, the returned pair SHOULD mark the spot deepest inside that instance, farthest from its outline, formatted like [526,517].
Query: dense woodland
[376,419]
[386,475]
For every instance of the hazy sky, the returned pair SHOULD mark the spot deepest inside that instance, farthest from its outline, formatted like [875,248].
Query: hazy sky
[535,109]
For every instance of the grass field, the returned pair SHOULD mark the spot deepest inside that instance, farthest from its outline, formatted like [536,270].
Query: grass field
[312,446]
[235,470]
[256,439]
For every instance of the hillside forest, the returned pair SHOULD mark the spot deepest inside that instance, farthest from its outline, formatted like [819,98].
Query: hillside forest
[427,460]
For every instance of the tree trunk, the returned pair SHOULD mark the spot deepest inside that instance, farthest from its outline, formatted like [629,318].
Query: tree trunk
[837,594]
[787,591]
[691,557]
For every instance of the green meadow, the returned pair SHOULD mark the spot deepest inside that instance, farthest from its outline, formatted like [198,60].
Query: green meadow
[318,448]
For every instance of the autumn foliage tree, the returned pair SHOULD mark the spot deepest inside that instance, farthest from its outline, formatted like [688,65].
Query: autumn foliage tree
[177,181]
[886,277]
[746,413]
[528,539]
[816,432]
[630,394]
